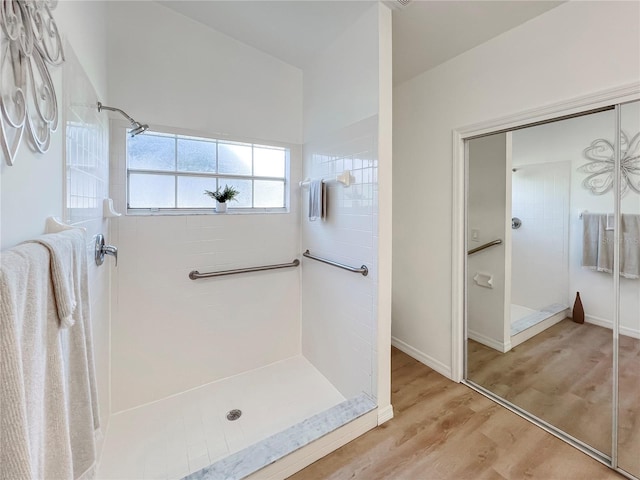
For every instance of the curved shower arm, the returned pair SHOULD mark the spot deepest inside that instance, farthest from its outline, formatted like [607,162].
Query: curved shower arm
[114,109]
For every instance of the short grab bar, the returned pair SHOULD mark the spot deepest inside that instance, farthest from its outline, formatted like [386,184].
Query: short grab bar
[195,275]
[482,247]
[363,269]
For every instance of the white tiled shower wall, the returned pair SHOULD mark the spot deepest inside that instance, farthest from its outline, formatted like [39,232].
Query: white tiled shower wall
[171,333]
[540,247]
[87,181]
[339,307]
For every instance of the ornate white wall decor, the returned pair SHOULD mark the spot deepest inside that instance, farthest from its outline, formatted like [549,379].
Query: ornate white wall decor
[29,40]
[601,165]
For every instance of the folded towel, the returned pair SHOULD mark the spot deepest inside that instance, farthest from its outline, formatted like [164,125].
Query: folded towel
[34,419]
[60,444]
[317,200]
[60,249]
[69,271]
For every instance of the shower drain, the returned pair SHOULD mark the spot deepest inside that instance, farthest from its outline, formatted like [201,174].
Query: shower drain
[234,414]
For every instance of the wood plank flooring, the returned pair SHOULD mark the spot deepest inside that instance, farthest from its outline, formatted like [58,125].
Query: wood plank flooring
[563,375]
[445,430]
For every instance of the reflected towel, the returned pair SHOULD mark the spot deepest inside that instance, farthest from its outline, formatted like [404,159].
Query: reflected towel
[317,200]
[630,246]
[598,241]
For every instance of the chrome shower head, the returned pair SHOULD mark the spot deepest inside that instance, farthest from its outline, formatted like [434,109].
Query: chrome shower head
[136,127]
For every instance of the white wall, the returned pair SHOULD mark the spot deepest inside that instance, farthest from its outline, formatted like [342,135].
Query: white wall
[167,69]
[489,161]
[33,188]
[170,333]
[546,60]
[563,143]
[339,308]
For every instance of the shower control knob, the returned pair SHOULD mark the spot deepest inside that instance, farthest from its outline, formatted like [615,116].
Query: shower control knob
[102,249]
[516,223]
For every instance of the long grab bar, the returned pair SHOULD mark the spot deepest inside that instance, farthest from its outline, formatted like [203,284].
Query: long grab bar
[482,247]
[195,275]
[363,269]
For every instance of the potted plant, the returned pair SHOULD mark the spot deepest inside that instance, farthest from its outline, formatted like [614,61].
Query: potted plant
[222,197]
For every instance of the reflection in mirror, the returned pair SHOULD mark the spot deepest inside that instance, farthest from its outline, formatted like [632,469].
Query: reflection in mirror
[629,337]
[522,343]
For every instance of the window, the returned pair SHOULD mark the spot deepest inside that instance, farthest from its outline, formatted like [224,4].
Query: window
[171,172]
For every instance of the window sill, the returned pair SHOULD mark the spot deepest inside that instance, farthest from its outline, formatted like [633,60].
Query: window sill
[206,211]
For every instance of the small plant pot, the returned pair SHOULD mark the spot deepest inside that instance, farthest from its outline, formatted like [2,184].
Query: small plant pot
[221,207]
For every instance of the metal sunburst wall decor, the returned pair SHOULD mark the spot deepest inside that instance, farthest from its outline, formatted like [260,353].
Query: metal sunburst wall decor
[600,169]
[29,41]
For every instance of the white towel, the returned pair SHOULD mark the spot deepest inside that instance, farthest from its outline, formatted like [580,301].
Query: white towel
[60,249]
[34,419]
[49,413]
[70,281]
[317,200]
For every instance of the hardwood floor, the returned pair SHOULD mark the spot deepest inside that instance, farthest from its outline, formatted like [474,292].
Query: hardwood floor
[445,430]
[563,375]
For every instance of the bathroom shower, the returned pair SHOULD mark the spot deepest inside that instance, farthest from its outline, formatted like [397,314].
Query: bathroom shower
[136,127]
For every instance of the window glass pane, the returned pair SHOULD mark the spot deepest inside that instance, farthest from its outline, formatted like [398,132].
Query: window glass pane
[234,158]
[191,192]
[268,194]
[244,199]
[152,152]
[196,155]
[151,191]
[268,162]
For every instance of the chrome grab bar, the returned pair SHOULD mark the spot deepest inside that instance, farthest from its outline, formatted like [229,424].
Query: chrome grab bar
[195,275]
[363,269]
[482,247]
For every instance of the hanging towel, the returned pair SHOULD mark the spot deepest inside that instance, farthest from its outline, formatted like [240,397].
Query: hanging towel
[317,200]
[34,419]
[630,246]
[60,249]
[70,282]
[598,242]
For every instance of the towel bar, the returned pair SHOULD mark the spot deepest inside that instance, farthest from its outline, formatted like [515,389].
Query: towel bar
[195,275]
[363,269]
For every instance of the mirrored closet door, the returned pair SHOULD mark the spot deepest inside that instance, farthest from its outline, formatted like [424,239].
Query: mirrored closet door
[546,333]
[628,431]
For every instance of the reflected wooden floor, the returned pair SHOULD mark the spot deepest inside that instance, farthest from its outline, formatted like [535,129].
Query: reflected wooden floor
[444,430]
[563,376]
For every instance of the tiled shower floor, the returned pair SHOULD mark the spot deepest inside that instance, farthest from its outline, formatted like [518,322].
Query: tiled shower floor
[179,435]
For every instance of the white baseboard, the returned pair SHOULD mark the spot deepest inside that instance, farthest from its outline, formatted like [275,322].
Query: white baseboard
[601,322]
[429,361]
[305,456]
[489,342]
[385,414]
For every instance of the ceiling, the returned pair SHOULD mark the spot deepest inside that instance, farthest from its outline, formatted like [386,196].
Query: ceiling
[425,33]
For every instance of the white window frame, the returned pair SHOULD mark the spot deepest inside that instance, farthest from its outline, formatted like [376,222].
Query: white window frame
[124,136]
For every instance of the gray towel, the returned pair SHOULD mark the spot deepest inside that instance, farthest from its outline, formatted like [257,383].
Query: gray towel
[630,246]
[598,241]
[317,200]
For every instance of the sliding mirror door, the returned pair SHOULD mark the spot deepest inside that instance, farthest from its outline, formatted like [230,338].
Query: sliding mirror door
[629,331]
[536,190]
